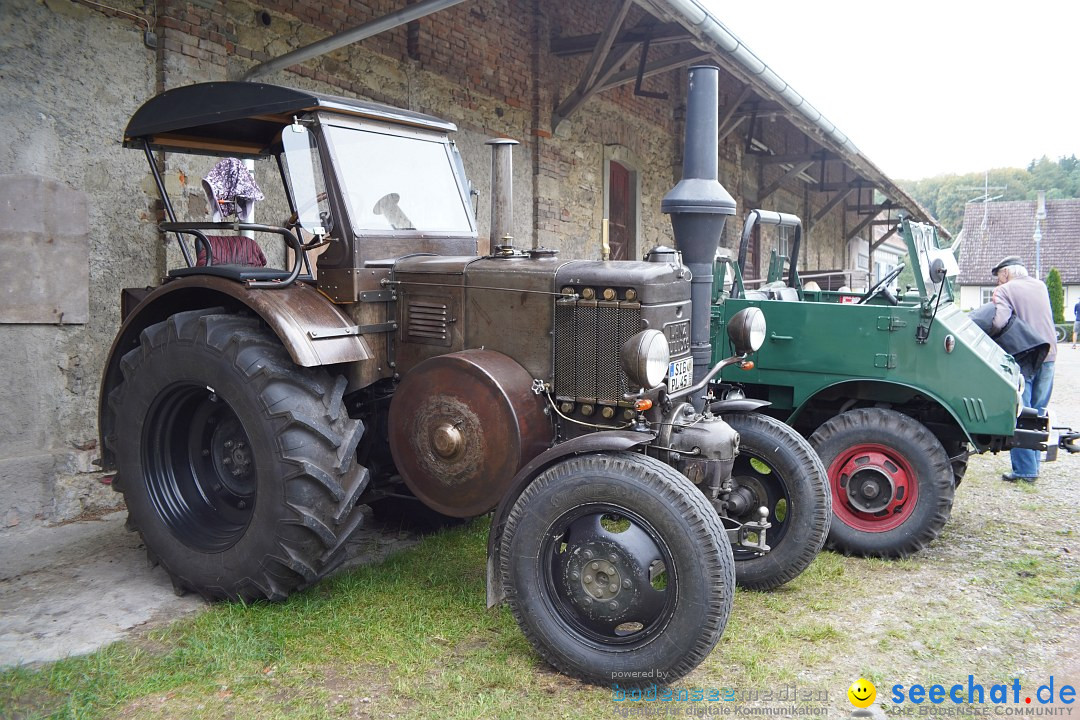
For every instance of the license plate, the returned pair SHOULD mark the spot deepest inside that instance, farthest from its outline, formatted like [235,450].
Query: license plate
[680,374]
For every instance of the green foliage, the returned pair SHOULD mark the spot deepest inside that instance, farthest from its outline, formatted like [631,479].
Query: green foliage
[1057,294]
[946,195]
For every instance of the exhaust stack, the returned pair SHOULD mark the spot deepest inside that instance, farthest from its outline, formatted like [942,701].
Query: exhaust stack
[699,206]
[502,196]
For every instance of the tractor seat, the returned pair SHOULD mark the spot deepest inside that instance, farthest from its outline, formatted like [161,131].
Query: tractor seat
[240,273]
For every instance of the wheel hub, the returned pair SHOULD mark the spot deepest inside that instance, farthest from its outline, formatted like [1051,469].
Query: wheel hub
[610,576]
[232,456]
[602,588]
[870,490]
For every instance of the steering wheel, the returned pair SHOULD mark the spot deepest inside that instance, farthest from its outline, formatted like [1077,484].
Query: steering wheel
[881,287]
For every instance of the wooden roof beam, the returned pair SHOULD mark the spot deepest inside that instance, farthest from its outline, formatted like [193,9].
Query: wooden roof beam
[657,34]
[775,185]
[869,219]
[598,61]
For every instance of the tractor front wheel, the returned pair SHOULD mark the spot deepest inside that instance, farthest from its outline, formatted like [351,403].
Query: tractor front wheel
[891,481]
[617,570]
[777,469]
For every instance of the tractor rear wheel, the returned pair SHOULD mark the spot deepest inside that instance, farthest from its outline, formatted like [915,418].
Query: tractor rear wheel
[238,467]
[617,570]
[777,469]
[891,481]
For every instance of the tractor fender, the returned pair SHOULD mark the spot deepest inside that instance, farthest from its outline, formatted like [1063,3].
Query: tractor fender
[741,405]
[598,442]
[915,390]
[307,323]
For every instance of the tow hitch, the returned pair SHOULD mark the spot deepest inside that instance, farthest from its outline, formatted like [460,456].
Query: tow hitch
[1067,439]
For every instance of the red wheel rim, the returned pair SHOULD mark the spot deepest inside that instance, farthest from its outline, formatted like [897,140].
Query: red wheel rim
[874,488]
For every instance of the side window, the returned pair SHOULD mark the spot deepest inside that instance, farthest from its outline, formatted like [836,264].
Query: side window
[987,295]
[307,186]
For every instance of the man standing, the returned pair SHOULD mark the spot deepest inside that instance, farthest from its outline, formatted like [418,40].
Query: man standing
[1020,294]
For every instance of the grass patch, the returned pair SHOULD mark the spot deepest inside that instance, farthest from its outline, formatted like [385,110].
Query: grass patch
[410,637]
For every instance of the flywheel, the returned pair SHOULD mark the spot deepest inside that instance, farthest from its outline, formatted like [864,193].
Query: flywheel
[462,425]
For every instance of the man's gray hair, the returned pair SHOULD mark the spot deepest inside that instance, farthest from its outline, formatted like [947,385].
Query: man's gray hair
[1016,271]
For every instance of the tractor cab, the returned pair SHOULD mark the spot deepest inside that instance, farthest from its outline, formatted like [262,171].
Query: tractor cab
[407,194]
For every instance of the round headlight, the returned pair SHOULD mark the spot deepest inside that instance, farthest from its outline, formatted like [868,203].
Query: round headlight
[645,358]
[747,330]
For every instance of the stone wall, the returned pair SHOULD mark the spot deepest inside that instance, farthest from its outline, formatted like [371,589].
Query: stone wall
[70,78]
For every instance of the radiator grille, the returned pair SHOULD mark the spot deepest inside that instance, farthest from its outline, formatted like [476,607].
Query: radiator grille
[588,339]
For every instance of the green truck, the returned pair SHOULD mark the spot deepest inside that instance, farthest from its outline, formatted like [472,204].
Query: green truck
[893,393]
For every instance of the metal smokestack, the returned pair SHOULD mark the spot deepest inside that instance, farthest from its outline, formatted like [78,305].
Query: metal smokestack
[699,206]
[502,194]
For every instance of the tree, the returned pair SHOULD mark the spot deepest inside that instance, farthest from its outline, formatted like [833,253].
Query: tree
[1057,295]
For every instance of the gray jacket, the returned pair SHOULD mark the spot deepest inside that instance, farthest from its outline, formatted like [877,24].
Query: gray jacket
[1016,338]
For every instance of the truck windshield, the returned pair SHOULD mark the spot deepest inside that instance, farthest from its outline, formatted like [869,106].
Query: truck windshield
[398,182]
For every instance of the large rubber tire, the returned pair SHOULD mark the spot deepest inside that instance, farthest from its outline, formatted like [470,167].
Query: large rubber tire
[654,579]
[959,452]
[238,467]
[870,450]
[778,466]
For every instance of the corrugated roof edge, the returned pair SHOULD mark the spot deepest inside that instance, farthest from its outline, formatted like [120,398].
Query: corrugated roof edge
[707,27]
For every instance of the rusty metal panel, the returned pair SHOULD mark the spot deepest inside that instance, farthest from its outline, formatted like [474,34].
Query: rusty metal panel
[44,252]
[510,308]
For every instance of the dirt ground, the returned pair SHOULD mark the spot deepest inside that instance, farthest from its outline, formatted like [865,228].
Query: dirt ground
[71,589]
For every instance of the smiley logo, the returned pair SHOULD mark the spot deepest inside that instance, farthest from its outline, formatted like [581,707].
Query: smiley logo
[862,693]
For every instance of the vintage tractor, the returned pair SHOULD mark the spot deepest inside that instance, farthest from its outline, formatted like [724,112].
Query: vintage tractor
[250,411]
[892,392]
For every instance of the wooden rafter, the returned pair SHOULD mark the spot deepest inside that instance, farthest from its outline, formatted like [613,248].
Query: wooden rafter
[726,130]
[892,231]
[822,155]
[657,34]
[775,184]
[827,207]
[655,67]
[588,85]
[869,219]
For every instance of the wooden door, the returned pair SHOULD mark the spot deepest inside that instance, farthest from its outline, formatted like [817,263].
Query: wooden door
[620,211]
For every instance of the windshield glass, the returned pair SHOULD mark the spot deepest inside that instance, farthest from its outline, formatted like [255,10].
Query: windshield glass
[398,182]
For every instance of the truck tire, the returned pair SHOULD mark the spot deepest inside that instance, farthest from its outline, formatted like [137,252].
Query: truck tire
[958,451]
[238,467]
[891,481]
[784,474]
[617,570]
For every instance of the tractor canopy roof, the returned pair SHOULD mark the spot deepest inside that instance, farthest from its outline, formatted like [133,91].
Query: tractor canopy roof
[244,119]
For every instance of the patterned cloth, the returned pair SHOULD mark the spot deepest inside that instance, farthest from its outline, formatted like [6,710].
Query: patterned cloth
[229,181]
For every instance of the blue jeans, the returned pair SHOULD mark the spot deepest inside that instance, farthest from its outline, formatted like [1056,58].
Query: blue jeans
[1025,463]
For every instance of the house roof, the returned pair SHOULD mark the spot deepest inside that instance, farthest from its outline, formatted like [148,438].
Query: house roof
[1010,230]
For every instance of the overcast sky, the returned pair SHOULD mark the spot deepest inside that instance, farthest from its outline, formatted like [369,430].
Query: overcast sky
[925,88]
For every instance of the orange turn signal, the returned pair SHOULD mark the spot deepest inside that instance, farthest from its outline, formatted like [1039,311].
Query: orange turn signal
[747,365]
[642,405]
